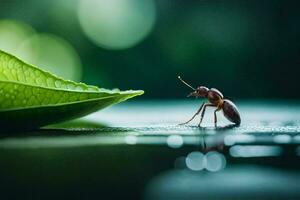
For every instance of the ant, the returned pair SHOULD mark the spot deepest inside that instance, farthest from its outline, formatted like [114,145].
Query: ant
[215,98]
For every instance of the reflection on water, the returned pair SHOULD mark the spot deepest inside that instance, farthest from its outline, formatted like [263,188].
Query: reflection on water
[255,151]
[130,139]
[239,182]
[179,162]
[192,177]
[298,151]
[195,161]
[175,141]
[212,161]
[282,139]
[232,139]
[215,161]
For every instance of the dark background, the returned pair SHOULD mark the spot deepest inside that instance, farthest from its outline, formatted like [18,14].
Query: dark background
[247,49]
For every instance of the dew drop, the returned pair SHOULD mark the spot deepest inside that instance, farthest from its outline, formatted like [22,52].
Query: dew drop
[39,81]
[57,83]
[71,87]
[50,82]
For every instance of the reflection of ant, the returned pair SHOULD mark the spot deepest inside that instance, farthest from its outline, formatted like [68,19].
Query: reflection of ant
[215,99]
[206,146]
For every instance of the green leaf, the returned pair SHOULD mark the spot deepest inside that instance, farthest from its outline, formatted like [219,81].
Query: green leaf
[31,97]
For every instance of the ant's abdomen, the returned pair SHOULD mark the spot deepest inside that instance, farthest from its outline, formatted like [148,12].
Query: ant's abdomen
[231,112]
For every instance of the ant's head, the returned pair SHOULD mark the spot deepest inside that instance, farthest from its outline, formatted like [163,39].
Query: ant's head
[201,91]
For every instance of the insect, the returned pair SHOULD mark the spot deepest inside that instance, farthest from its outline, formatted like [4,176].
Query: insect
[215,99]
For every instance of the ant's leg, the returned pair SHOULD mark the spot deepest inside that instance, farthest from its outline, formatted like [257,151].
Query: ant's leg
[194,115]
[215,114]
[203,112]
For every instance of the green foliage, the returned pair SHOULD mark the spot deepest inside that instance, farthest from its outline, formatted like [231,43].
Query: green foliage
[31,97]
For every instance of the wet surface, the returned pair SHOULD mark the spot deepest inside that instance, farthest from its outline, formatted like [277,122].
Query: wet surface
[137,149]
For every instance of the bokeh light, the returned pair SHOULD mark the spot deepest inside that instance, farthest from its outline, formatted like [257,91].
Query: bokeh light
[212,161]
[175,141]
[131,139]
[116,24]
[215,161]
[195,161]
[255,151]
[282,139]
[12,33]
[230,140]
[53,54]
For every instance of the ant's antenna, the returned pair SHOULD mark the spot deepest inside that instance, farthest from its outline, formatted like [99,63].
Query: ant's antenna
[185,83]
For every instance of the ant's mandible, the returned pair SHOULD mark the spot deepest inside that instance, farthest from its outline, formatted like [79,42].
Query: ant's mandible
[215,99]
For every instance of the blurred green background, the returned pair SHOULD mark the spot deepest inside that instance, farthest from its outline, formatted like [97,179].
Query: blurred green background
[247,49]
